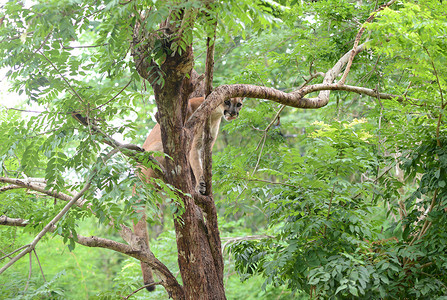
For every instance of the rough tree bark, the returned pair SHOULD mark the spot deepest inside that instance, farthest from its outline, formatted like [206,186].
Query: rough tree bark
[201,266]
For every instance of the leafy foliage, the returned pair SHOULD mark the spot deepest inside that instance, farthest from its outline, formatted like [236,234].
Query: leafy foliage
[348,201]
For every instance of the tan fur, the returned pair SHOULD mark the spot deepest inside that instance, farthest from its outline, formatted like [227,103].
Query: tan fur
[229,110]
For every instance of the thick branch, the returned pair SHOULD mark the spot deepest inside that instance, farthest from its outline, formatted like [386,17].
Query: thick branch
[140,250]
[209,63]
[294,99]
[17,222]
[213,234]
[207,137]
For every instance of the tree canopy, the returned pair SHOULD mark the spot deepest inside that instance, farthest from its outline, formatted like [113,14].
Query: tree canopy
[331,183]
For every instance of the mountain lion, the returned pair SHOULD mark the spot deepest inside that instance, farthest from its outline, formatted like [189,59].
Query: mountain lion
[229,109]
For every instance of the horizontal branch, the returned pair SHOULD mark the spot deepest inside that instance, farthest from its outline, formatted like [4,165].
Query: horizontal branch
[10,187]
[84,47]
[231,240]
[16,222]
[35,186]
[294,99]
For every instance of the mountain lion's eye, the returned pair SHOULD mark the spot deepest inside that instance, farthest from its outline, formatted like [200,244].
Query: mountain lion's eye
[227,102]
[239,104]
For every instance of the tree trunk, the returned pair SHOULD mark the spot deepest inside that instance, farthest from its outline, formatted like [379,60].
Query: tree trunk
[200,261]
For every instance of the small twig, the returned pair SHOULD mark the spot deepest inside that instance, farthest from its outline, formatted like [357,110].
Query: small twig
[98,107]
[83,47]
[37,112]
[426,223]
[143,287]
[438,141]
[330,205]
[378,177]
[264,137]
[125,3]
[281,108]
[40,266]
[276,117]
[63,77]
[17,250]
[30,271]
[272,182]
[436,74]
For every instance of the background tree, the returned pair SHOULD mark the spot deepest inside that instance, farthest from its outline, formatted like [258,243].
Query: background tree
[338,216]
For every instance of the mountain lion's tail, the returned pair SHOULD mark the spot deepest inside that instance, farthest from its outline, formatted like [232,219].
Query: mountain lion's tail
[141,230]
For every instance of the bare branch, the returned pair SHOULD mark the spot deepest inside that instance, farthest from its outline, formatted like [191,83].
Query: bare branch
[36,186]
[40,266]
[30,270]
[4,220]
[141,251]
[208,139]
[209,63]
[84,47]
[294,99]
[11,253]
[108,140]
[10,187]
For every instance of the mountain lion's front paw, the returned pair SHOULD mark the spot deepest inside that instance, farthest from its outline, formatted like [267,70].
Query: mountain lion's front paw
[201,187]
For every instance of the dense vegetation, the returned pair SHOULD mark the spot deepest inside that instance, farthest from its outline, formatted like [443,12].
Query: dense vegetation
[348,200]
